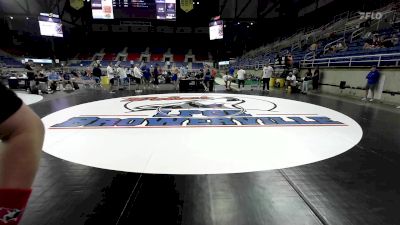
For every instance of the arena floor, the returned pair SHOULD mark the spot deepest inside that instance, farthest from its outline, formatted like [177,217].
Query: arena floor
[357,187]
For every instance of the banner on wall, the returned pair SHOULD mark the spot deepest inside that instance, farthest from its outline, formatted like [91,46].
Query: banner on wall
[187,5]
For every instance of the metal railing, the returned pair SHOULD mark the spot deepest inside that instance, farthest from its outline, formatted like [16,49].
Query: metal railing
[357,33]
[349,61]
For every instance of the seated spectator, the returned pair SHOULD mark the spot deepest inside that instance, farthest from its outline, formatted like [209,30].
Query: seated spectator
[54,80]
[67,79]
[376,41]
[313,47]
[368,44]
[289,61]
[341,46]
[291,81]
[390,42]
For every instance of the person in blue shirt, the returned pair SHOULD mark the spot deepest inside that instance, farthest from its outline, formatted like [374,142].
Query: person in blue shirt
[146,76]
[372,82]
[231,71]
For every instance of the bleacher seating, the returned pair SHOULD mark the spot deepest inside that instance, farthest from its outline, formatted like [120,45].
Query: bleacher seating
[156,56]
[179,58]
[10,62]
[354,55]
[133,57]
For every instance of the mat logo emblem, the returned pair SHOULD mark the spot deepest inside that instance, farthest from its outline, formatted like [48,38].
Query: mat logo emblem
[9,215]
[185,112]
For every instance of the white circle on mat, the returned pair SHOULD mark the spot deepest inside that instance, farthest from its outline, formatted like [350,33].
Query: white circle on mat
[198,133]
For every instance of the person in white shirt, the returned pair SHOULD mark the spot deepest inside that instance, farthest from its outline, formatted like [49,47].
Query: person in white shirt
[267,74]
[291,80]
[121,74]
[228,80]
[241,76]
[137,73]
[110,73]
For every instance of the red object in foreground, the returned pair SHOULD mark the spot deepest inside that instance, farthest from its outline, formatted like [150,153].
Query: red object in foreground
[12,205]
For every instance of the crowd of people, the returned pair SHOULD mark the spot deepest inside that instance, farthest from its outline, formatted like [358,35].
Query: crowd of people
[292,80]
[375,41]
[40,80]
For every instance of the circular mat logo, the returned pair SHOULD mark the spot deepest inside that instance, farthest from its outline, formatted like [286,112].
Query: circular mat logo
[235,133]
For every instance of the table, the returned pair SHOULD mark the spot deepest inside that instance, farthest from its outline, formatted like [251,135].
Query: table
[14,83]
[191,84]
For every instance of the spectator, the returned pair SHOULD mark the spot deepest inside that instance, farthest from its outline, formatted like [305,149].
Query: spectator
[291,81]
[156,73]
[214,73]
[97,73]
[315,78]
[121,71]
[30,73]
[67,79]
[368,44]
[372,81]
[306,82]
[110,75]
[54,79]
[313,47]
[174,78]
[228,79]
[231,71]
[146,77]
[289,61]
[21,135]
[137,73]
[206,79]
[241,75]
[267,73]
[390,42]
[341,46]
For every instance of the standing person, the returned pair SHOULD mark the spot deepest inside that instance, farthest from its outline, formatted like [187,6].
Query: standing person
[137,73]
[97,74]
[174,78]
[232,71]
[372,82]
[206,79]
[315,78]
[30,74]
[146,76]
[241,76]
[21,135]
[267,74]
[110,75]
[306,81]
[214,73]
[129,73]
[155,75]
